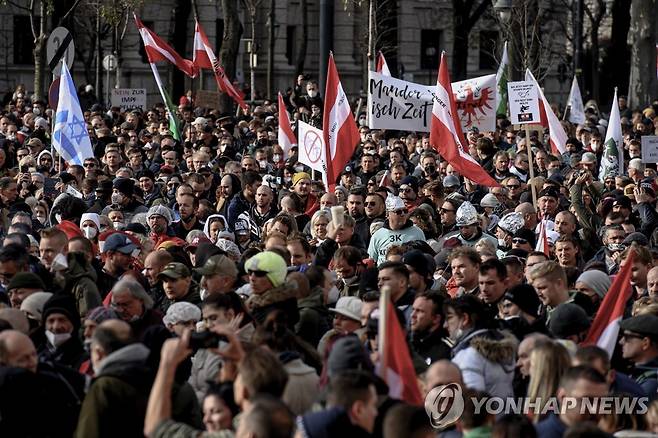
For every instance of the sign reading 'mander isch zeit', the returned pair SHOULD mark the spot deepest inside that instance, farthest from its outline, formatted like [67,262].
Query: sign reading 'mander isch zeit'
[406,106]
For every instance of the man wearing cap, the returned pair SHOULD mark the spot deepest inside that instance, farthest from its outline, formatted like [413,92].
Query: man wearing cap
[548,203]
[21,286]
[61,322]
[117,254]
[123,190]
[347,315]
[639,343]
[301,184]
[150,189]
[178,286]
[397,230]
[645,197]
[421,268]
[269,290]
[218,275]
[159,219]
[102,197]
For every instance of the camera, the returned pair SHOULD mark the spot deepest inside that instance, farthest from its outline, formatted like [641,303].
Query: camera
[205,340]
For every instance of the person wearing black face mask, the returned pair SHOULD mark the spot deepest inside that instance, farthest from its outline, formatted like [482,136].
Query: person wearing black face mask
[429,169]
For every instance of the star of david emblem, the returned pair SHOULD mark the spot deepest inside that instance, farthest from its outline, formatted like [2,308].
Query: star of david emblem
[82,129]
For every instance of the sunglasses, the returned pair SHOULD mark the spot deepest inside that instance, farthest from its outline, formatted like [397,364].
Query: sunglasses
[400,212]
[513,186]
[90,165]
[370,204]
[519,241]
[445,210]
[259,274]
[632,335]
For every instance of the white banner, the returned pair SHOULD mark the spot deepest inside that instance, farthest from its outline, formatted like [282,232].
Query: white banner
[523,102]
[311,148]
[406,106]
[129,98]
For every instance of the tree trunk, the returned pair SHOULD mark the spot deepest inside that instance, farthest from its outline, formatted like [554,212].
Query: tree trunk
[460,41]
[595,61]
[39,45]
[301,54]
[230,45]
[270,49]
[641,38]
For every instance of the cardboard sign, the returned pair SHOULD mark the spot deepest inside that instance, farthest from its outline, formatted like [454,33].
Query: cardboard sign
[523,102]
[649,149]
[207,99]
[129,98]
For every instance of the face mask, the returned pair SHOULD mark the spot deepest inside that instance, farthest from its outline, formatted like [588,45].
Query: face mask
[57,339]
[276,158]
[87,345]
[11,137]
[287,180]
[262,164]
[362,122]
[36,111]
[203,293]
[41,219]
[59,262]
[430,170]
[552,171]
[117,198]
[595,147]
[312,93]
[171,193]
[89,232]
[118,225]
[58,217]
[615,247]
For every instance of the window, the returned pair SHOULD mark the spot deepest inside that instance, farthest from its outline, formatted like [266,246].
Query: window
[291,44]
[219,35]
[430,41]
[142,51]
[23,41]
[488,39]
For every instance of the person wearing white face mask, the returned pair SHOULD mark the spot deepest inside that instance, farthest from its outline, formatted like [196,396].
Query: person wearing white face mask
[90,225]
[61,321]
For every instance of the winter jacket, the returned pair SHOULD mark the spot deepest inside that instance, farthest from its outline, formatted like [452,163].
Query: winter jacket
[487,359]
[431,347]
[71,353]
[333,422]
[283,298]
[239,204]
[115,405]
[313,317]
[79,280]
[328,247]
[385,237]
[302,387]
[193,296]
[205,367]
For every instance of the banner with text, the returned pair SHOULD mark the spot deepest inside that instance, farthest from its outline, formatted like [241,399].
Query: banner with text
[406,106]
[129,98]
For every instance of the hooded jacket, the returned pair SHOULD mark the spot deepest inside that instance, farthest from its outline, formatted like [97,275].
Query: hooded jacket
[80,280]
[116,402]
[313,317]
[487,359]
[283,298]
[385,237]
[211,218]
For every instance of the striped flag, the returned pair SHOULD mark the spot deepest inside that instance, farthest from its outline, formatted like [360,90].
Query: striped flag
[70,136]
[501,82]
[612,161]
[158,50]
[542,239]
[605,327]
[285,136]
[204,57]
[446,133]
[558,138]
[382,67]
[340,132]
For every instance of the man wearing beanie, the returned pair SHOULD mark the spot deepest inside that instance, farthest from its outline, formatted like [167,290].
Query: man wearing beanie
[152,191]
[269,290]
[61,322]
[301,184]
[21,286]
[123,197]
[594,284]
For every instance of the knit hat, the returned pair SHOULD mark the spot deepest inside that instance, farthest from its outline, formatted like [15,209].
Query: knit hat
[525,297]
[526,234]
[159,210]
[489,200]
[568,319]
[410,181]
[124,185]
[91,217]
[65,305]
[596,280]
[100,314]
[16,319]
[33,304]
[422,263]
[26,280]
[348,354]
[269,262]
[300,176]
[182,312]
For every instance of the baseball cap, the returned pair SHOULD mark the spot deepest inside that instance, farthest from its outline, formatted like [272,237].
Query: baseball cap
[349,307]
[175,270]
[218,264]
[119,242]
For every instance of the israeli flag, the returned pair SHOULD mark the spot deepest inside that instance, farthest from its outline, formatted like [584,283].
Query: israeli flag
[70,137]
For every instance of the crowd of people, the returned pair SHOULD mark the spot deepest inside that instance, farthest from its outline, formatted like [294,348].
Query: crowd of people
[213,286]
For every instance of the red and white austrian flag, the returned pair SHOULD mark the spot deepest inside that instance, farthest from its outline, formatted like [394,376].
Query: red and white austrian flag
[285,136]
[158,50]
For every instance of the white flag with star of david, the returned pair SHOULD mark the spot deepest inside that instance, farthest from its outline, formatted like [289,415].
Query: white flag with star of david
[70,136]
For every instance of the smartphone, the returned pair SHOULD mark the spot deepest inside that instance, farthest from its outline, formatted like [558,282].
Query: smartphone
[205,340]
[49,187]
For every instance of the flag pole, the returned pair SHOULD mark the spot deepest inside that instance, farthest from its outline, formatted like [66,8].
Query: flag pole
[384,302]
[531,166]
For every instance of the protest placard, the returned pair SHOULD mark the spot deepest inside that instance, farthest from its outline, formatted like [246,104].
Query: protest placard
[207,99]
[649,149]
[129,98]
[311,148]
[523,102]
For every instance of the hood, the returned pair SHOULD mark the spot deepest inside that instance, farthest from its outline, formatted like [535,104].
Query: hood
[123,360]
[79,267]
[274,295]
[314,300]
[206,227]
[496,346]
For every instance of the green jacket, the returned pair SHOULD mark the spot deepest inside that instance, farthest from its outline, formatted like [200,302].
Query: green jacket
[313,317]
[79,279]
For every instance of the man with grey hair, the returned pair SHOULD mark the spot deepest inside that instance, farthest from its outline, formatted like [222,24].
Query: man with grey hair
[134,305]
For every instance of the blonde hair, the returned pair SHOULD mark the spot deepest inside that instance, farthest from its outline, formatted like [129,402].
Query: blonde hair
[549,360]
[550,270]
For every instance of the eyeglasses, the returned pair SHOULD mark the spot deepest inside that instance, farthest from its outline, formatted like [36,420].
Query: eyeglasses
[519,241]
[370,204]
[513,186]
[628,335]
[90,164]
[259,274]
[399,212]
[445,210]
